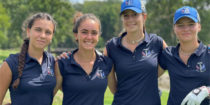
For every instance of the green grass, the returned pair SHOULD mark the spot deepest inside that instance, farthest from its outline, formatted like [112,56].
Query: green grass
[107,100]
[5,53]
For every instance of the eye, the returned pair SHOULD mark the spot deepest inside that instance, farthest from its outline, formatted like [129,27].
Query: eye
[191,24]
[38,29]
[135,14]
[94,33]
[84,32]
[48,32]
[125,16]
[180,25]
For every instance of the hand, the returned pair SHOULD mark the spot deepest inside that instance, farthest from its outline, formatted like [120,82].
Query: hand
[160,92]
[8,104]
[64,55]
[196,96]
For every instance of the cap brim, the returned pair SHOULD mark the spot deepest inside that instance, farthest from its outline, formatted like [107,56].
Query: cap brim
[194,19]
[137,10]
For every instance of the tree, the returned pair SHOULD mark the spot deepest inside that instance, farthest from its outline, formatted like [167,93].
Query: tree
[61,10]
[4,25]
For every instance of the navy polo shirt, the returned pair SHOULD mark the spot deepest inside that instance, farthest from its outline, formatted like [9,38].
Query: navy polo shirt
[137,71]
[36,83]
[79,88]
[184,78]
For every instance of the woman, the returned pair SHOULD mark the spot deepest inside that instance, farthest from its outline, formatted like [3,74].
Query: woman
[29,75]
[188,62]
[135,57]
[83,76]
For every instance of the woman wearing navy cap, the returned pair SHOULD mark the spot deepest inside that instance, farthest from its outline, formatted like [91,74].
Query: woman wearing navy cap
[29,75]
[83,75]
[135,57]
[188,63]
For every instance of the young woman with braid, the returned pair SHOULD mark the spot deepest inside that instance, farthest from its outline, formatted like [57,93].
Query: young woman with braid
[29,75]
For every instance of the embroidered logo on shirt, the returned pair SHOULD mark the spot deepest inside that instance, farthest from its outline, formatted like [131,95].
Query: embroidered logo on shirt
[200,67]
[99,74]
[50,71]
[146,52]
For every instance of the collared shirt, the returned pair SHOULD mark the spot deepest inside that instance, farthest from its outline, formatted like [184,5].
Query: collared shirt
[79,88]
[36,83]
[136,71]
[186,77]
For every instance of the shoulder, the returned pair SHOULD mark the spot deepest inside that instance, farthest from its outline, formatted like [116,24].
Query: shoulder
[155,37]
[104,58]
[169,50]
[12,59]
[12,62]
[112,41]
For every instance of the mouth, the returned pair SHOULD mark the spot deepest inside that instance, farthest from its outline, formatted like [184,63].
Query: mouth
[41,41]
[88,42]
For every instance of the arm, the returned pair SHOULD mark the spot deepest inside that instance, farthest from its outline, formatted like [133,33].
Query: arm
[164,44]
[112,81]
[5,80]
[59,78]
[160,71]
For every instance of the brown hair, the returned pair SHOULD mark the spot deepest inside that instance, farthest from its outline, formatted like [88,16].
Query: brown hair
[28,23]
[76,16]
[82,18]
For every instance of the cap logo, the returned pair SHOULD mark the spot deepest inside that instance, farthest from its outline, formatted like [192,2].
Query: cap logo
[128,2]
[186,11]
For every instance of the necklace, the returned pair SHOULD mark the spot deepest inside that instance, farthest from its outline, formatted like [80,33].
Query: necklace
[133,41]
[184,53]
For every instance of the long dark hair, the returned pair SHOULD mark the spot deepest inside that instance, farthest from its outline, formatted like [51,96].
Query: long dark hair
[27,24]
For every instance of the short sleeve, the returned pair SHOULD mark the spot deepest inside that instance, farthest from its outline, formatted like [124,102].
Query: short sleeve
[12,61]
[109,63]
[61,66]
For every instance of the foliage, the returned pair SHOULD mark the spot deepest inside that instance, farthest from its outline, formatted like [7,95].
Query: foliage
[61,10]
[159,19]
[4,25]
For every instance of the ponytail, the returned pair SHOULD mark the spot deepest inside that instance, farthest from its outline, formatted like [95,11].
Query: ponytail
[21,62]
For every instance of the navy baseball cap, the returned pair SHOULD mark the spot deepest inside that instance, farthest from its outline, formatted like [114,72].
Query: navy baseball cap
[186,11]
[134,5]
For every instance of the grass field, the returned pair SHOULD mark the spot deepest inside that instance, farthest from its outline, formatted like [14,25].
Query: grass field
[107,100]
[58,98]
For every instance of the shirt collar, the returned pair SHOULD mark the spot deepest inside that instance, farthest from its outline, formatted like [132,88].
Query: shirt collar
[72,60]
[28,58]
[201,48]
[146,39]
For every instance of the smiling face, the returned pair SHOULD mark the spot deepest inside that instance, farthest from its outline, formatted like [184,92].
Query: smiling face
[132,21]
[186,30]
[40,34]
[88,34]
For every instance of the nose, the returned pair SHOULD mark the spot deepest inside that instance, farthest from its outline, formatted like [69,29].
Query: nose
[42,35]
[89,36]
[186,27]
